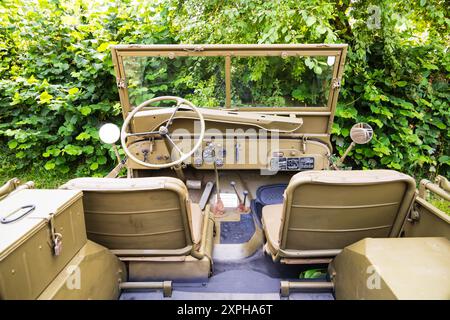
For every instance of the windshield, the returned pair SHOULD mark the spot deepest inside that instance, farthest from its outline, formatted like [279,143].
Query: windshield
[266,77]
[255,81]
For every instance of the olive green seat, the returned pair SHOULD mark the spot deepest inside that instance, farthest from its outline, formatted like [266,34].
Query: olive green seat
[149,219]
[324,211]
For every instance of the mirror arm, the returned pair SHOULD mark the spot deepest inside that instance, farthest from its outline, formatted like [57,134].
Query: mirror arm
[350,147]
[116,151]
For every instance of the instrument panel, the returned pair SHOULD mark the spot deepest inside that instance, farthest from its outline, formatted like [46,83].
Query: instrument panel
[249,153]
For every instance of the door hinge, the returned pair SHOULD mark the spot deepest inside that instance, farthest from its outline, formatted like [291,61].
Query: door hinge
[120,83]
[336,83]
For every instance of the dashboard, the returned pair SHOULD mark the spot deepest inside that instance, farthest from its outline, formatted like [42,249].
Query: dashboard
[234,140]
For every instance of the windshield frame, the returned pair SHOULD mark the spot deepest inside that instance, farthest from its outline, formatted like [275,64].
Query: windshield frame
[229,51]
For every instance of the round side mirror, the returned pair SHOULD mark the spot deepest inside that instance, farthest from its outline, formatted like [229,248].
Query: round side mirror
[109,133]
[361,133]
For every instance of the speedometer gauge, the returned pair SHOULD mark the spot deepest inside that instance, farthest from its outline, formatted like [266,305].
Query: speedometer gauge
[213,153]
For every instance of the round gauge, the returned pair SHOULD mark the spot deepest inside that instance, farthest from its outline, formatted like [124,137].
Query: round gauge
[208,155]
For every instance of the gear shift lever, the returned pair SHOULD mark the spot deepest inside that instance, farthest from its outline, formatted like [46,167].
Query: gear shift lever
[245,197]
[233,184]
[241,207]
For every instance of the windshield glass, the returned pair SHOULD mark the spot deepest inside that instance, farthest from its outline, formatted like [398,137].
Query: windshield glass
[263,81]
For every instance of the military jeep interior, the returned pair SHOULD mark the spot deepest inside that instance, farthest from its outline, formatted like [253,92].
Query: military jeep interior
[227,194]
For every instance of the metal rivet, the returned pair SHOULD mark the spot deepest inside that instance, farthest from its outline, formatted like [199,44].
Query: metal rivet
[13,271]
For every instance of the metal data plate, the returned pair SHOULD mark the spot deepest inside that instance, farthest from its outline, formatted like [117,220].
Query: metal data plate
[292,164]
[230,200]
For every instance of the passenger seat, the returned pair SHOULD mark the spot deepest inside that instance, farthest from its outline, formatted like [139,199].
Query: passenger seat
[324,211]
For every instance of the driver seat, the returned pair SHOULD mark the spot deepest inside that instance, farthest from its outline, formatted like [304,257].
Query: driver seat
[325,211]
[148,221]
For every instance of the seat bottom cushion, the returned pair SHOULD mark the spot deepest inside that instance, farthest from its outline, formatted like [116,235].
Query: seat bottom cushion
[272,219]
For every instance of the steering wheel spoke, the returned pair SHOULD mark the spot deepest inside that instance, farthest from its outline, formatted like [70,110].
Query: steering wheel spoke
[148,133]
[181,153]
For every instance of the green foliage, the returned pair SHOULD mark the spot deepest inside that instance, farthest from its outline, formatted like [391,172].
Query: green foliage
[438,202]
[57,81]
[313,274]
[57,84]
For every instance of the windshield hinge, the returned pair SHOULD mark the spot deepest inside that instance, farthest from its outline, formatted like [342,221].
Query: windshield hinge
[120,83]
[194,49]
[336,83]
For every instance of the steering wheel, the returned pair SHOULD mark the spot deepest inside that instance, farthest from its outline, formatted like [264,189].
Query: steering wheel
[163,131]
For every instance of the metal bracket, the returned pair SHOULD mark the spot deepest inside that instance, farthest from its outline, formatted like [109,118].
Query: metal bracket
[120,83]
[336,83]
[414,215]
[194,49]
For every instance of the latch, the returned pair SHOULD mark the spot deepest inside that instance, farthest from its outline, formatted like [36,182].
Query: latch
[56,238]
[414,215]
[304,139]
[120,83]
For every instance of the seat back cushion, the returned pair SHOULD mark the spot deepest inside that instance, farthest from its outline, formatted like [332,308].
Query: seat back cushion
[139,213]
[332,209]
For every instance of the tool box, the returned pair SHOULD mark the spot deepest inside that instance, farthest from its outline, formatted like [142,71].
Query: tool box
[40,232]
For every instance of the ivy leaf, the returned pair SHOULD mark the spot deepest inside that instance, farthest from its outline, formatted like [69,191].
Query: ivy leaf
[45,97]
[94,166]
[318,70]
[444,159]
[32,80]
[105,46]
[85,110]
[73,150]
[88,149]
[12,144]
[50,165]
[83,136]
[20,155]
[309,63]
[101,160]
[73,91]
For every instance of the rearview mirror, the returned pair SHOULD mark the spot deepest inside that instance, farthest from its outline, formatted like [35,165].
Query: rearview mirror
[109,133]
[361,133]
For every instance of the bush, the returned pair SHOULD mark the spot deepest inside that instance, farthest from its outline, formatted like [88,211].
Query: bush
[57,82]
